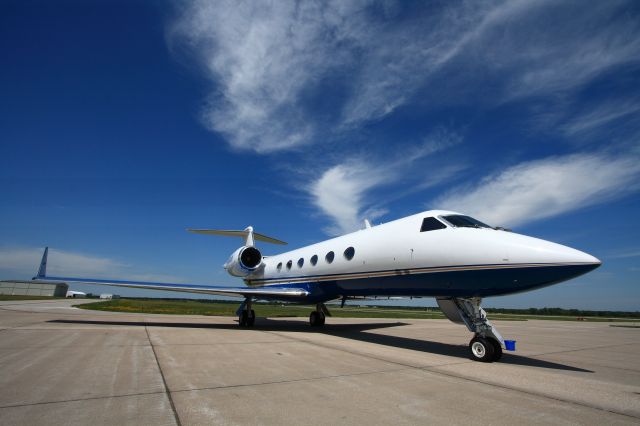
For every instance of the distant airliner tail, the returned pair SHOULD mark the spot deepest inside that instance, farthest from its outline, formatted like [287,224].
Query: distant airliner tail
[42,270]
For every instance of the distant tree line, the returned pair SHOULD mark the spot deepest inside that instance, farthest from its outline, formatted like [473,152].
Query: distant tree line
[565,312]
[528,311]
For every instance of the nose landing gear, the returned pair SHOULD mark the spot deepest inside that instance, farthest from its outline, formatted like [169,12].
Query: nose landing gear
[484,349]
[487,343]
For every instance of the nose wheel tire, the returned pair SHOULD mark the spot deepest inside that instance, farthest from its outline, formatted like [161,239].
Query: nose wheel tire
[316,319]
[482,349]
[497,350]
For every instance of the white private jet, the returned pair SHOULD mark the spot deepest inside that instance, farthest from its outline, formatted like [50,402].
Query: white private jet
[454,258]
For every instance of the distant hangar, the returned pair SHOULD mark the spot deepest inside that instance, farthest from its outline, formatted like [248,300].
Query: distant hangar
[30,288]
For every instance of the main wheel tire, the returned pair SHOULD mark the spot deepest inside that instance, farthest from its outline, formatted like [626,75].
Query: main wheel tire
[481,349]
[243,319]
[497,349]
[251,319]
[314,319]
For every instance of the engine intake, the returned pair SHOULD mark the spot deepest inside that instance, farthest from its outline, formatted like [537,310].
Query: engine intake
[244,261]
[250,257]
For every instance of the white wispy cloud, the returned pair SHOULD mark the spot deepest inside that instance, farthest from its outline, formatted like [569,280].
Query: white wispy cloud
[341,192]
[600,115]
[268,61]
[286,75]
[540,189]
[576,46]
[627,254]
[262,56]
[25,261]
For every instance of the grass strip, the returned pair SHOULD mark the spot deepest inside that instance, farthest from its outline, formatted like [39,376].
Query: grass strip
[271,310]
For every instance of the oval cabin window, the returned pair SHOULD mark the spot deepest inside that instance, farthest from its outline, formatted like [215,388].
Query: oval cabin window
[349,253]
[289,263]
[314,259]
[329,257]
[300,262]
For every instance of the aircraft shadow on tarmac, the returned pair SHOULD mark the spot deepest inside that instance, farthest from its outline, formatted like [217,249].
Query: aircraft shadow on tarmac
[347,331]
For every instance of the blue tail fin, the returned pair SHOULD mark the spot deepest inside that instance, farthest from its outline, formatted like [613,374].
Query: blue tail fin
[42,271]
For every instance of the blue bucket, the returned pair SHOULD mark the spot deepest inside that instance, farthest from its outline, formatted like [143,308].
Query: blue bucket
[510,345]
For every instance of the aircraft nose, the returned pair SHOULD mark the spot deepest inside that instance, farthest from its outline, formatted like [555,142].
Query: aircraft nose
[578,263]
[570,255]
[582,257]
[533,250]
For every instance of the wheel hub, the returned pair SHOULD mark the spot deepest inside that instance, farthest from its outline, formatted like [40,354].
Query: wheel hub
[478,349]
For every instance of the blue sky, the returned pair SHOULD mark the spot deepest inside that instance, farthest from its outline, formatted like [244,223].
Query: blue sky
[124,122]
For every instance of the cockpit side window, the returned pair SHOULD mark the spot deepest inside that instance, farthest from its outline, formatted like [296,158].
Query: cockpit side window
[461,221]
[431,224]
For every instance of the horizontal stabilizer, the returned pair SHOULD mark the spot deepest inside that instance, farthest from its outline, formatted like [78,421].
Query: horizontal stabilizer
[236,233]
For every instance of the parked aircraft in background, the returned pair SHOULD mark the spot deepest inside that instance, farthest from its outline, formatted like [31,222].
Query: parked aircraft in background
[454,258]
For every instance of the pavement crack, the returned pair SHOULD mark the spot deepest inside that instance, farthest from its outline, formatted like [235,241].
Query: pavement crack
[532,393]
[62,401]
[306,379]
[164,381]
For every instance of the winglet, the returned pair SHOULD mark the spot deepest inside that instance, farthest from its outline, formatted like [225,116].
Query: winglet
[42,271]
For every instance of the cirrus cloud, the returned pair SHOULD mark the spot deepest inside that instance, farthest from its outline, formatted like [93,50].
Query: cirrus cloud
[273,65]
[540,189]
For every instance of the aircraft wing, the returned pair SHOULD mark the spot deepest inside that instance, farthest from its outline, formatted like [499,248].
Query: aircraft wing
[269,292]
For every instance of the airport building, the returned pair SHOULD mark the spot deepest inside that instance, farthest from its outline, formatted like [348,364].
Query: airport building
[30,288]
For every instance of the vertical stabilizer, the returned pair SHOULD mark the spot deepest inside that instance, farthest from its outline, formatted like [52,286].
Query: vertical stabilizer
[42,271]
[248,239]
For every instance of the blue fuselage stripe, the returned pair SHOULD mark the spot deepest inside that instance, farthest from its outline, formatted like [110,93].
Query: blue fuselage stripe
[468,282]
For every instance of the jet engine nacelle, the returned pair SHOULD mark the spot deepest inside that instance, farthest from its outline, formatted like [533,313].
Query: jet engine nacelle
[244,261]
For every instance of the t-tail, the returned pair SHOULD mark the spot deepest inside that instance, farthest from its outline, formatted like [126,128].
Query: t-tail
[247,259]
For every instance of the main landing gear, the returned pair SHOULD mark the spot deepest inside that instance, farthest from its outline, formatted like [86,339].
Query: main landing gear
[317,317]
[487,343]
[246,315]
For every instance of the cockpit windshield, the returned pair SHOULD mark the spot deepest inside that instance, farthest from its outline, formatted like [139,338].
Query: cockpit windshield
[461,221]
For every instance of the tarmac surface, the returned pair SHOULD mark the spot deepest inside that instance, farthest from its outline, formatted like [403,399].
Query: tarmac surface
[63,365]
